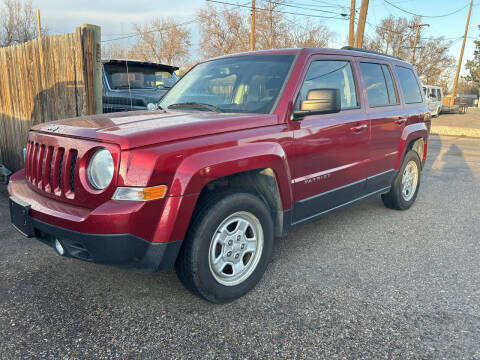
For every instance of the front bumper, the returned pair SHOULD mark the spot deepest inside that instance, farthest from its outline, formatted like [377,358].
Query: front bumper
[123,250]
[128,234]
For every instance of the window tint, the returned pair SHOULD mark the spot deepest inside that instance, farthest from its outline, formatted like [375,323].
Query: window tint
[379,84]
[330,74]
[409,85]
[392,94]
[439,94]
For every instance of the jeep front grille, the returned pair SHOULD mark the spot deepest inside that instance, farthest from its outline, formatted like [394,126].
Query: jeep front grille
[51,169]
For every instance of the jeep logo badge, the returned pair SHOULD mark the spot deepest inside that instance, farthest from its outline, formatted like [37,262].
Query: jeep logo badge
[53,128]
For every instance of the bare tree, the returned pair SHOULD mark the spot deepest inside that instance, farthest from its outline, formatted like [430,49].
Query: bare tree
[225,31]
[272,28]
[163,41]
[432,60]
[222,31]
[395,36]
[18,23]
[308,35]
[114,51]
[392,36]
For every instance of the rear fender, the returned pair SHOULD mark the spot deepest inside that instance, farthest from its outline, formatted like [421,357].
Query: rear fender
[413,133]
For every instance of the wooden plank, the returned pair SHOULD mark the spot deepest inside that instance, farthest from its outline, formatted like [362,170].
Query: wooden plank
[43,80]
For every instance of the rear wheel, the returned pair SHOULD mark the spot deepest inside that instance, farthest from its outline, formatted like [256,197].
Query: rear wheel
[227,248]
[405,188]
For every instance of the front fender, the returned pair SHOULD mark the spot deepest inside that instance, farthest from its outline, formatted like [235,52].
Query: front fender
[197,170]
[410,133]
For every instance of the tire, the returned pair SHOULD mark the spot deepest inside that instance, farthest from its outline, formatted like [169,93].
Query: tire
[402,194]
[211,259]
[439,110]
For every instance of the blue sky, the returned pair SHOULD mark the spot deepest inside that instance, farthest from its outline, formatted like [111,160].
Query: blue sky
[116,17]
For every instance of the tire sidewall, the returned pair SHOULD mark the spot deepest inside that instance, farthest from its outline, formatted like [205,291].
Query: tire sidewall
[411,155]
[209,223]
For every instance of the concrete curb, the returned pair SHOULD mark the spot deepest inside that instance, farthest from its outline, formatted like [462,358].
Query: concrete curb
[455,131]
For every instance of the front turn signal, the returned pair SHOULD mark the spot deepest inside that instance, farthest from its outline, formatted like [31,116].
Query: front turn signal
[140,194]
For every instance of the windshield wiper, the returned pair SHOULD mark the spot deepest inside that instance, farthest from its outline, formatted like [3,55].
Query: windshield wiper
[194,105]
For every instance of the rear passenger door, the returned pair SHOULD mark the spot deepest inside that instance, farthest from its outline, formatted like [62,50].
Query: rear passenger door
[387,121]
[414,105]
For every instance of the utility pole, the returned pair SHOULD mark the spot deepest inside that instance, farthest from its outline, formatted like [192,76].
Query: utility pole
[351,29]
[252,27]
[38,24]
[362,18]
[417,34]
[454,90]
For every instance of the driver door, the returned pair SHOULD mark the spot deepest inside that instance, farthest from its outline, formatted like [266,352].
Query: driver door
[331,150]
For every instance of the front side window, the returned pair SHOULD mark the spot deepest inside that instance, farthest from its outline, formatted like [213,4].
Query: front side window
[330,74]
[244,84]
[409,85]
[379,84]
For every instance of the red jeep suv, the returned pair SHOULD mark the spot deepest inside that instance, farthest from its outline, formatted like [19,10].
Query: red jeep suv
[242,148]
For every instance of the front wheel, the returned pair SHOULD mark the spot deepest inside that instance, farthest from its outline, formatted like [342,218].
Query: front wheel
[405,187]
[227,248]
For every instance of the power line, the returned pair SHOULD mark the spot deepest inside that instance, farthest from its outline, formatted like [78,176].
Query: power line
[401,33]
[280,12]
[427,16]
[127,36]
[329,4]
[134,34]
[300,7]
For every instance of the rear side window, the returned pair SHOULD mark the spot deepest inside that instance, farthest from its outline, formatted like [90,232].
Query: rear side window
[392,94]
[379,84]
[330,74]
[409,85]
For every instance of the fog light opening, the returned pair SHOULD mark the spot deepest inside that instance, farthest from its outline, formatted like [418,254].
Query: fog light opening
[59,248]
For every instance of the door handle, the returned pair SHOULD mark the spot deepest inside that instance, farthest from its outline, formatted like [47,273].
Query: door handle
[400,121]
[358,128]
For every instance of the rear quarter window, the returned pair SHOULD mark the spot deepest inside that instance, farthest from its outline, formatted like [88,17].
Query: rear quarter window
[409,85]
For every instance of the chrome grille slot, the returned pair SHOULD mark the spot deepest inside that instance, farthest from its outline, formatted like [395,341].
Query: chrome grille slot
[61,153]
[73,163]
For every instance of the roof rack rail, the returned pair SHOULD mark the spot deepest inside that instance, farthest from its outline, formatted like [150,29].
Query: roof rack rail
[370,52]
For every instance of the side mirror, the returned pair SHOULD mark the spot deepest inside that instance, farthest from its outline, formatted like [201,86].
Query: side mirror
[319,101]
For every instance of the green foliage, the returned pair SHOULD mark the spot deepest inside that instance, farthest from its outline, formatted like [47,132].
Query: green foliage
[473,66]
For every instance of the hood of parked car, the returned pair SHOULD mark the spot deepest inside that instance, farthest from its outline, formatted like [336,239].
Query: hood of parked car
[141,128]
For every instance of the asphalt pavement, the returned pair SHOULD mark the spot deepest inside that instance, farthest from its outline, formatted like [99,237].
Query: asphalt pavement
[364,282]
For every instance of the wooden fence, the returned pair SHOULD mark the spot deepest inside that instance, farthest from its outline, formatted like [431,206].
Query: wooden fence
[43,80]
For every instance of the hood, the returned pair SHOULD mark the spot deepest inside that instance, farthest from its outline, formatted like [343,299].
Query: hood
[141,128]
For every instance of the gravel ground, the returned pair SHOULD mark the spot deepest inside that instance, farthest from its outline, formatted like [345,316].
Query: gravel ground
[364,282]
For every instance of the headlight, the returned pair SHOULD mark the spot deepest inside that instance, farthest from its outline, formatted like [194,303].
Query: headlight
[100,169]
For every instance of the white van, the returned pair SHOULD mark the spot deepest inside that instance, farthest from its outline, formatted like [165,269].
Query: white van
[434,96]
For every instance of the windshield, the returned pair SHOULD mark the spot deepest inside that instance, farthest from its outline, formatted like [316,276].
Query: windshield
[135,77]
[248,84]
